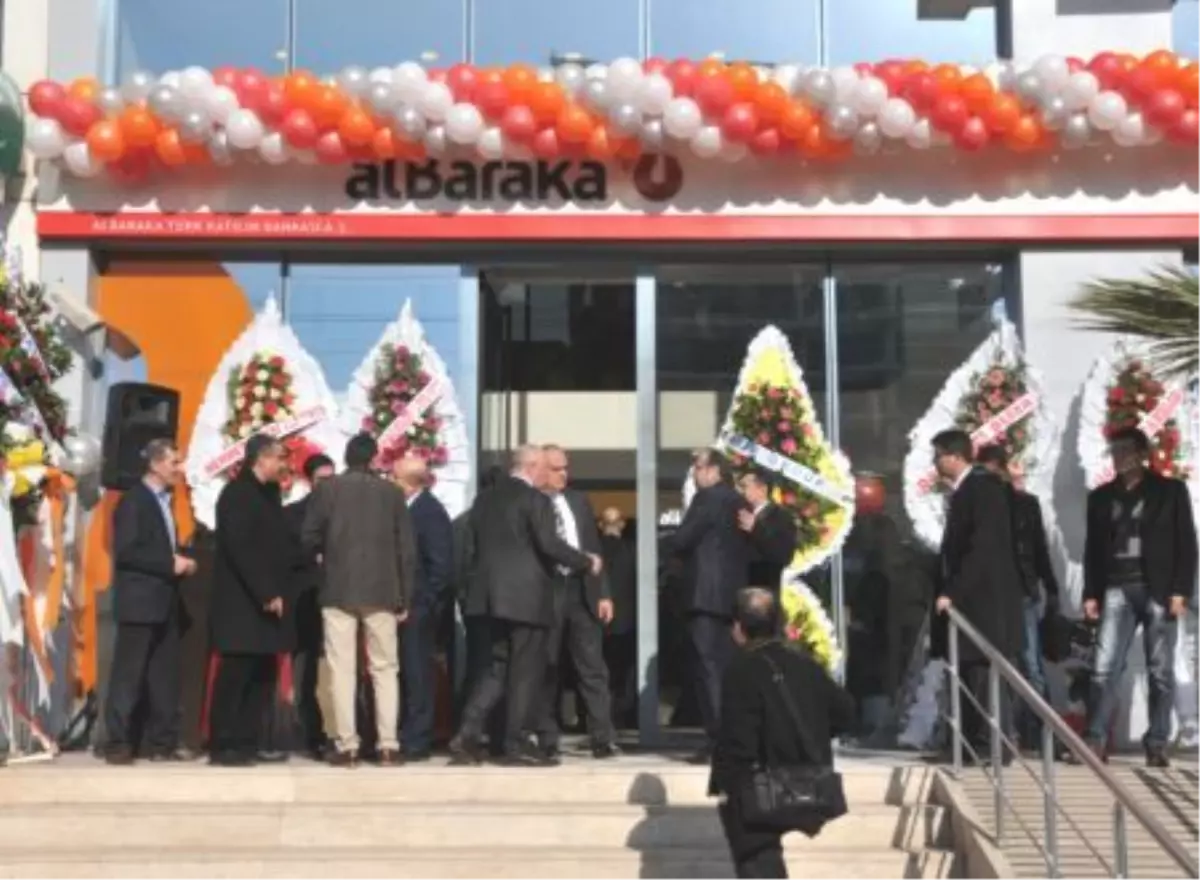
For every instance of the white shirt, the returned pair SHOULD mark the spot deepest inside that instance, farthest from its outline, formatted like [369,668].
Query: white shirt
[966,472]
[567,516]
[412,499]
[760,509]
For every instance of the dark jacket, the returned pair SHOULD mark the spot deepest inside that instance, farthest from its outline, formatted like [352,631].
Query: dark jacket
[756,728]
[361,527]
[255,561]
[514,548]
[620,566]
[715,551]
[463,546]
[979,563]
[1168,535]
[435,552]
[772,545]
[302,621]
[145,588]
[595,586]
[1033,553]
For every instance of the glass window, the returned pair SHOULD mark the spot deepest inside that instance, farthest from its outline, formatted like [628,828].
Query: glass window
[158,36]
[339,311]
[767,31]
[874,30]
[902,329]
[1185,28]
[332,34]
[506,31]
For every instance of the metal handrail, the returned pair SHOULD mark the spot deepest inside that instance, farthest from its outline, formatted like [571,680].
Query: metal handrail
[1053,727]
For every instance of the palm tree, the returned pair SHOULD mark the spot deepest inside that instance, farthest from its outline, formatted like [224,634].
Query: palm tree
[1161,309]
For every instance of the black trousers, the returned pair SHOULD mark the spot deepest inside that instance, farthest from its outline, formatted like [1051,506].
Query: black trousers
[755,854]
[620,655]
[580,632]
[145,666]
[712,644]
[977,732]
[516,675]
[242,694]
[420,644]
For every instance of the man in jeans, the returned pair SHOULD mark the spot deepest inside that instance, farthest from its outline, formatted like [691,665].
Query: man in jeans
[1139,570]
[359,526]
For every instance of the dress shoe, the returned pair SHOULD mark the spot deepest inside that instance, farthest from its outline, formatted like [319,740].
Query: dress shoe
[527,758]
[549,751]
[231,759]
[119,756]
[465,752]
[418,756]
[181,755]
[389,758]
[702,757]
[605,751]
[1157,759]
[1097,750]
[343,759]
[272,756]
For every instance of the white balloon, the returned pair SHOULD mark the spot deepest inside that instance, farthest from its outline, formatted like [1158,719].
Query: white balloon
[381,75]
[596,71]
[733,151]
[195,83]
[220,102]
[491,143]
[79,161]
[171,78]
[1107,110]
[788,76]
[1130,131]
[654,94]
[1052,72]
[45,139]
[707,143]
[273,148]
[845,82]
[624,78]
[464,123]
[408,81]
[245,129]
[869,96]
[920,136]
[435,101]
[1082,86]
[682,118]
[896,118]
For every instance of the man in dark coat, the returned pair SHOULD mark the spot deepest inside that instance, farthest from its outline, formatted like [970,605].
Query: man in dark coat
[770,529]
[147,569]
[255,560]
[979,575]
[620,639]
[716,555]
[359,525]
[435,568]
[583,606]
[515,547]
[758,730]
[1139,569]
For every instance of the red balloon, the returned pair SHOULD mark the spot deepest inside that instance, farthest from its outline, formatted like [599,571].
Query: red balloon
[1140,85]
[869,493]
[46,98]
[299,129]
[330,150]
[462,80]
[1187,129]
[545,144]
[949,113]
[132,167]
[893,76]
[492,99]
[1165,108]
[250,86]
[226,76]
[864,68]
[922,90]
[973,134]
[739,123]
[77,115]
[766,142]
[682,74]
[1075,64]
[714,94]
[436,75]
[272,107]
[654,65]
[1108,69]
[518,123]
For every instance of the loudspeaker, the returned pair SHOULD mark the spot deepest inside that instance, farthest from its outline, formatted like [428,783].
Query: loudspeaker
[136,414]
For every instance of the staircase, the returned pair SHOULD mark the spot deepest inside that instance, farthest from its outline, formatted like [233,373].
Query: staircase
[635,817]
[1170,796]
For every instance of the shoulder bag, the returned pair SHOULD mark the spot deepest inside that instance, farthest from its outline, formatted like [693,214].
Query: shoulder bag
[791,798]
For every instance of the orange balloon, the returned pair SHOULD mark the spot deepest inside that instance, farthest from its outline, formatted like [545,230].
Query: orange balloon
[489,76]
[1163,65]
[546,100]
[743,79]
[169,148]
[771,101]
[1025,135]
[1003,114]
[1188,82]
[710,67]
[600,146]
[977,91]
[85,88]
[139,126]
[948,77]
[795,121]
[299,89]
[574,125]
[915,66]
[105,141]
[356,127]
[328,105]
[520,80]
[629,149]
[383,143]
[1128,62]
[196,154]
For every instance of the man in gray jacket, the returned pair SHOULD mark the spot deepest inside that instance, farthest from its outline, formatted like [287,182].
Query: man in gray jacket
[359,525]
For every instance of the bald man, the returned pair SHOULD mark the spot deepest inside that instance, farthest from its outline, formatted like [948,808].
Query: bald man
[515,548]
[435,568]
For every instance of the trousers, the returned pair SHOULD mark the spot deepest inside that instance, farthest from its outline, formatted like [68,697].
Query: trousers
[341,652]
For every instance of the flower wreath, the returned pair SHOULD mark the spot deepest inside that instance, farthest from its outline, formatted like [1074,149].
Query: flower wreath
[992,392]
[805,623]
[1134,394]
[400,376]
[260,393]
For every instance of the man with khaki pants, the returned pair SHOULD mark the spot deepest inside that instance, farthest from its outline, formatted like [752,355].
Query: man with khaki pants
[359,525]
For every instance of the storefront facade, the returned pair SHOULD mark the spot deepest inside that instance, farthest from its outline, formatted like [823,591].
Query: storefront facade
[607,306]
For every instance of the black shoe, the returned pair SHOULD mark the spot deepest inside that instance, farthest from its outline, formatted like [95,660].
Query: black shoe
[181,755]
[389,758]
[605,751]
[418,756]
[465,752]
[704,756]
[1157,759]
[271,756]
[551,751]
[343,759]
[119,756]
[231,759]
[527,758]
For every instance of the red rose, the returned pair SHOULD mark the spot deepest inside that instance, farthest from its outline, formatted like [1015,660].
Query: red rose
[279,380]
[276,362]
[1116,394]
[764,438]
[270,408]
[784,427]
[774,393]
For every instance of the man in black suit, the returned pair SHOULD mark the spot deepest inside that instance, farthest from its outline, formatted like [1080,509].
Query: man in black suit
[979,575]
[1139,569]
[147,569]
[620,638]
[771,530]
[435,568]
[583,606]
[515,547]
[716,556]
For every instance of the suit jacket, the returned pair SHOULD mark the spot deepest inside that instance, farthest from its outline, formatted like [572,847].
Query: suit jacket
[514,549]
[1033,553]
[620,566]
[145,588]
[435,552]
[595,587]
[979,563]
[715,550]
[1168,535]
[772,545]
